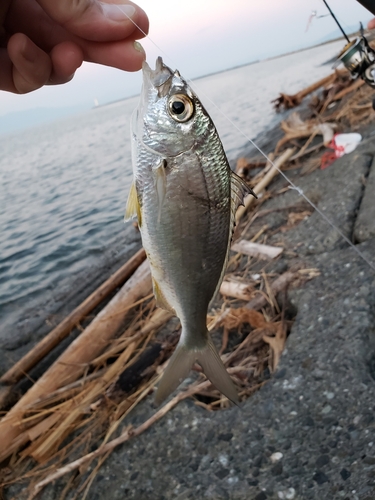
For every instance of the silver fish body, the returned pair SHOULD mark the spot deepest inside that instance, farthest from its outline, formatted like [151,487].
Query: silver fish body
[185,197]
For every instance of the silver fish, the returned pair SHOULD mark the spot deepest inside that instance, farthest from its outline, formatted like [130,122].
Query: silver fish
[185,197]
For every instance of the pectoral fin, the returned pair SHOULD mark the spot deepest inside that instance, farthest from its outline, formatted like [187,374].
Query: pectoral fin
[133,208]
[239,190]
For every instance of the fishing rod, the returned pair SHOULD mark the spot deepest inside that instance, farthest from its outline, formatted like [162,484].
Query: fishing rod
[338,24]
[357,56]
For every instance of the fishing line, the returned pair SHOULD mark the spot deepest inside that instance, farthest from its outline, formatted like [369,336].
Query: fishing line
[291,183]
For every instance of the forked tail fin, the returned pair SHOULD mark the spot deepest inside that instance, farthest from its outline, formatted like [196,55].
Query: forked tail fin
[180,365]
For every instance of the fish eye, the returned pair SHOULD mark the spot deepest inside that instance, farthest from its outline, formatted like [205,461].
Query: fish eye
[180,107]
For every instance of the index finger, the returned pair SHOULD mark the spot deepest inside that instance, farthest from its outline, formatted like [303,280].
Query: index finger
[94,20]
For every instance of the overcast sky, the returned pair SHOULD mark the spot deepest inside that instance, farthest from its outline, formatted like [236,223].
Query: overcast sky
[200,37]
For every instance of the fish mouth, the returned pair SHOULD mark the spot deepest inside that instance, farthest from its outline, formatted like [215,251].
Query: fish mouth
[158,78]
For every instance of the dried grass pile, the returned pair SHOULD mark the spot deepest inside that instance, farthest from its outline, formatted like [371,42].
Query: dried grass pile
[83,400]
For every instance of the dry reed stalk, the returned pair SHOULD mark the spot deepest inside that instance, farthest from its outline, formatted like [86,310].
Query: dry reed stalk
[309,141]
[264,182]
[277,344]
[71,364]
[261,231]
[49,433]
[52,339]
[261,174]
[270,293]
[65,392]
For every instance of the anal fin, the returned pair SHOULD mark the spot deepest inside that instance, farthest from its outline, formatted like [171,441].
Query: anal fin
[161,301]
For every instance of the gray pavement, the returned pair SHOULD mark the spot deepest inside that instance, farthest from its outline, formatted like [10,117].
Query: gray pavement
[317,413]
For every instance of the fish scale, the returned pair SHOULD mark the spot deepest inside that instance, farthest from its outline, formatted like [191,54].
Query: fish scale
[185,196]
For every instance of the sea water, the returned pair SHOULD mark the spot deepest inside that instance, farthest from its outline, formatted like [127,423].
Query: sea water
[63,186]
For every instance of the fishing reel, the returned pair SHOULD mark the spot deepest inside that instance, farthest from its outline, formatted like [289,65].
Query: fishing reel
[359,59]
[357,56]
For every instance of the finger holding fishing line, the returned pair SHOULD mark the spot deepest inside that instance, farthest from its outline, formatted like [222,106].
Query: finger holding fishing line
[371,24]
[95,20]
[46,41]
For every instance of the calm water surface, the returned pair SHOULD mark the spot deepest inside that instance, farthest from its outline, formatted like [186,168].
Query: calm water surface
[63,187]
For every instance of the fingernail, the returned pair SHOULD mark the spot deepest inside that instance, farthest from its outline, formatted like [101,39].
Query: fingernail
[139,47]
[117,12]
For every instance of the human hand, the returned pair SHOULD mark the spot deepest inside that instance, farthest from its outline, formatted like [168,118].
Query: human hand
[43,42]
[371,24]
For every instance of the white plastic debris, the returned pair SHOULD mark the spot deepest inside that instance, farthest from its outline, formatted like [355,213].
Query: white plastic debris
[341,144]
[289,494]
[275,457]
[345,143]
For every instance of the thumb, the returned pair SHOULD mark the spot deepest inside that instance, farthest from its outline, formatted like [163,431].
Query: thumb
[96,20]
[371,24]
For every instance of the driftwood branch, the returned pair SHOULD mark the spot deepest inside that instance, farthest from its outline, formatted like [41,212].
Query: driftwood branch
[354,86]
[64,328]
[307,151]
[276,287]
[291,101]
[236,290]
[295,128]
[256,249]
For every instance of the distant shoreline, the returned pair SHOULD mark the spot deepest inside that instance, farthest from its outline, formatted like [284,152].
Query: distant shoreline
[232,68]
[12,120]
